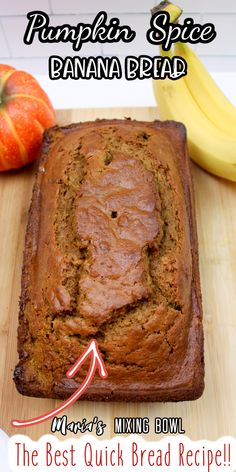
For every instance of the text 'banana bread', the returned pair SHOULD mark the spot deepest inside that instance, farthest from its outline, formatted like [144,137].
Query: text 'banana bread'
[111,254]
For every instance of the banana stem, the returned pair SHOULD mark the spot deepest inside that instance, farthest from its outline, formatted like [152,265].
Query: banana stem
[174,11]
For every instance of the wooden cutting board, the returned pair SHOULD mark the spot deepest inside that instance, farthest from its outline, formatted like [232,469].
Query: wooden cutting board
[210,417]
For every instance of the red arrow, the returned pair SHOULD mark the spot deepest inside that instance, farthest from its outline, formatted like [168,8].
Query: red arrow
[96,362]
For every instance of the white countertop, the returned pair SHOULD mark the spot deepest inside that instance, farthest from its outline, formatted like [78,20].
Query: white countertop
[115,93]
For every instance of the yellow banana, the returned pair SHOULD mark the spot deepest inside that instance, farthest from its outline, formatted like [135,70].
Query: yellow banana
[211,144]
[173,10]
[206,92]
[209,147]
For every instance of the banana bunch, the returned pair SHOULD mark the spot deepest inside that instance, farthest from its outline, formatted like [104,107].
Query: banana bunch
[209,117]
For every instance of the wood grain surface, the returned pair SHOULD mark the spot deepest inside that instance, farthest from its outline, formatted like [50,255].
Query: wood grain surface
[210,417]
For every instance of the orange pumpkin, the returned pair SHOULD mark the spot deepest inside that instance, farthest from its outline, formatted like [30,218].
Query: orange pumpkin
[25,111]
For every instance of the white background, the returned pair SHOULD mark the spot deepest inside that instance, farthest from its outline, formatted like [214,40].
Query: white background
[219,56]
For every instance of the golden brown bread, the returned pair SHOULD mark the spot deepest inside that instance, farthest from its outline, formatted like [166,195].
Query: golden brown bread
[111,254]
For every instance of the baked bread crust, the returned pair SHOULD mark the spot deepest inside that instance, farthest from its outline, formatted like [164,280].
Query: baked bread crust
[111,254]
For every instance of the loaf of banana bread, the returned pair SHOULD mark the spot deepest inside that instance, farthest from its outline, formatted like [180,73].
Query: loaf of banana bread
[111,255]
